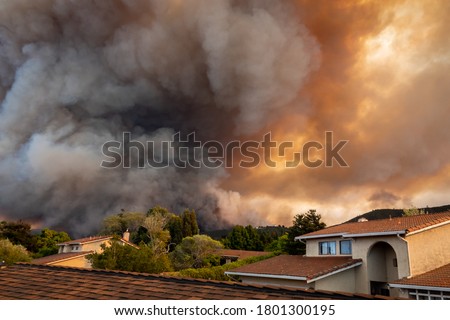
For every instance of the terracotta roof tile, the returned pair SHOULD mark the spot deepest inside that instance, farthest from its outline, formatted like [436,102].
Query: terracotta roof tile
[86,240]
[60,256]
[439,277]
[95,239]
[297,266]
[241,254]
[31,281]
[406,224]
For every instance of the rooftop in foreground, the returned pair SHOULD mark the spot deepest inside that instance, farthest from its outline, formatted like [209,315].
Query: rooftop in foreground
[34,282]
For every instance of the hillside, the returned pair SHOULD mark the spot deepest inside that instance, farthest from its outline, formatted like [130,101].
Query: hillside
[386,213]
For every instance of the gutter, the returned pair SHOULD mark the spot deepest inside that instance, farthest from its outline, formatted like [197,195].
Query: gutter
[407,253]
[373,234]
[271,276]
[352,235]
[299,238]
[416,287]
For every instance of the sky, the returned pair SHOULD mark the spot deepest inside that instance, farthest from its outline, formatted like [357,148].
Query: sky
[77,74]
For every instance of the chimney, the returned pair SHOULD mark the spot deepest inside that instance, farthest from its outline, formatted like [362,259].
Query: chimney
[126,236]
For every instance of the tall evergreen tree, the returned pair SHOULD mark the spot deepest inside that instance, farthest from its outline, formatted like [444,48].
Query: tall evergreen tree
[189,221]
[244,238]
[302,224]
[175,227]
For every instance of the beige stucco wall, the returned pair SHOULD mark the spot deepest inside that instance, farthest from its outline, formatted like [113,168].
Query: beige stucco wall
[277,282]
[429,249]
[79,262]
[361,249]
[342,281]
[95,246]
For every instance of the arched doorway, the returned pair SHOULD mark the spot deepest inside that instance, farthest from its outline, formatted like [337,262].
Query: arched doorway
[381,267]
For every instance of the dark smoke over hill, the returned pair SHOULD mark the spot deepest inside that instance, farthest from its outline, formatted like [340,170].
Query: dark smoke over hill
[76,74]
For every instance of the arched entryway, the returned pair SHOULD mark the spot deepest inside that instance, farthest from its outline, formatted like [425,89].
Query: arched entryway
[381,267]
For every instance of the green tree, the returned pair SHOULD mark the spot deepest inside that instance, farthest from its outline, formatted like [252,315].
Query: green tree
[47,240]
[158,210]
[279,245]
[127,258]
[244,238]
[189,221]
[302,224]
[18,233]
[155,224]
[412,212]
[11,253]
[236,239]
[175,227]
[254,241]
[195,252]
[117,224]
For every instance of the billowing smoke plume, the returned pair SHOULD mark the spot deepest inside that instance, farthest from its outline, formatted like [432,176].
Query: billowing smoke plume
[76,74]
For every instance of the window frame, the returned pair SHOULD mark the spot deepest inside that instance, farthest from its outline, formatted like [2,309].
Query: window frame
[329,245]
[418,294]
[350,247]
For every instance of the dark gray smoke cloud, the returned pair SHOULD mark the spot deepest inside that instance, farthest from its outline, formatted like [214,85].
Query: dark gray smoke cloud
[76,73]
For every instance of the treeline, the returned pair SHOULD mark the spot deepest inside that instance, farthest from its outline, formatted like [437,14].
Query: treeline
[166,242]
[162,241]
[157,224]
[277,239]
[17,243]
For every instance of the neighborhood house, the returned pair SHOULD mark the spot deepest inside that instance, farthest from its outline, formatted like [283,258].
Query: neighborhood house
[372,257]
[74,253]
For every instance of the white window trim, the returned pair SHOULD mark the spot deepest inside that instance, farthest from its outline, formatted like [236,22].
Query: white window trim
[416,294]
[351,248]
[327,254]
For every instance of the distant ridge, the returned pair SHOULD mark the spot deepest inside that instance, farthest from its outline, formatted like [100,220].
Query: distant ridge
[393,213]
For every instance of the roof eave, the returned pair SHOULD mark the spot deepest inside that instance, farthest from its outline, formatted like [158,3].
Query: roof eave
[318,236]
[354,265]
[262,275]
[374,234]
[418,287]
[429,227]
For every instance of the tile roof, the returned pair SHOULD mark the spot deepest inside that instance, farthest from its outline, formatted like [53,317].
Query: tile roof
[94,239]
[241,254]
[34,282]
[60,257]
[309,268]
[401,224]
[439,278]
[86,240]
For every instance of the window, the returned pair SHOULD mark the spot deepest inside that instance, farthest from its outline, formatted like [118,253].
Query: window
[327,247]
[428,295]
[395,263]
[345,247]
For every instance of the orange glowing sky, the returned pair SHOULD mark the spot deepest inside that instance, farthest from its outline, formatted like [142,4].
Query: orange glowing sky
[383,85]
